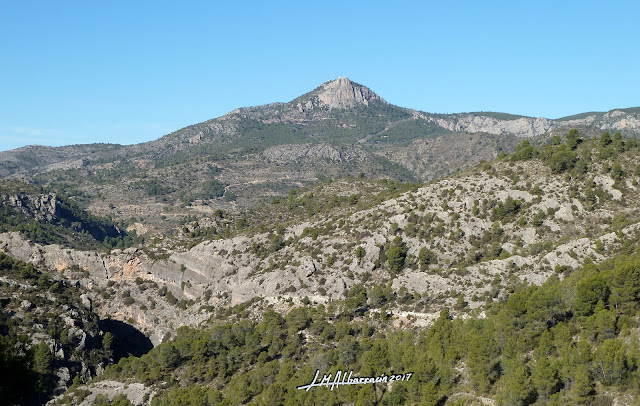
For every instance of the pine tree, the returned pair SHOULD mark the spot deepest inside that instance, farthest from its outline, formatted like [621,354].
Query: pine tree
[581,388]
[42,359]
[573,139]
[430,394]
[479,362]
[605,140]
[396,255]
[545,378]
[360,253]
[376,360]
[426,257]
[107,343]
[610,362]
[515,389]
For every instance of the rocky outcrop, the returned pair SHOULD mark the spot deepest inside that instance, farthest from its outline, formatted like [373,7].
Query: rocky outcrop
[42,207]
[522,127]
[100,267]
[48,310]
[342,93]
[96,271]
[290,153]
[612,120]
[616,120]
[35,158]
[85,395]
[337,94]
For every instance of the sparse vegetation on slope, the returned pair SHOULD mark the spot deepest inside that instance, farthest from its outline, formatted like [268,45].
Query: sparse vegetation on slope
[54,219]
[49,337]
[513,239]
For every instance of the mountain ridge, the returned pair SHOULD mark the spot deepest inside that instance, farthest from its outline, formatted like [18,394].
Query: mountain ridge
[252,154]
[342,93]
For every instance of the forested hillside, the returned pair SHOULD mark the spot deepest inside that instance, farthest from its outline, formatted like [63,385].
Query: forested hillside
[571,341]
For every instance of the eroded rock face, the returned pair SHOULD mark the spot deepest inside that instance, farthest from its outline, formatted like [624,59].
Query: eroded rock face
[433,158]
[72,343]
[528,127]
[338,94]
[136,393]
[41,207]
[342,93]
[296,152]
[521,127]
[95,271]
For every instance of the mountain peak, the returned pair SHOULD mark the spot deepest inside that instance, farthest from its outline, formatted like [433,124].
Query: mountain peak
[339,93]
[343,93]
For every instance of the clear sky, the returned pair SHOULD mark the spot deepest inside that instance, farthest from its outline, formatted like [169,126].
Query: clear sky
[132,71]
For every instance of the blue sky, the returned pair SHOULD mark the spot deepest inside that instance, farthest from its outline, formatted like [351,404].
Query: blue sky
[132,71]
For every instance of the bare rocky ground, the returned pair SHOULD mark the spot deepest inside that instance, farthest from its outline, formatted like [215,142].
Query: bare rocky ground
[86,395]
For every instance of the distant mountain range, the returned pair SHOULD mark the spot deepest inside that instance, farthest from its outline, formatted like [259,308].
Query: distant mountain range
[339,129]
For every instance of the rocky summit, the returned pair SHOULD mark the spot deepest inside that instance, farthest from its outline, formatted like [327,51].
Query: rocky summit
[340,93]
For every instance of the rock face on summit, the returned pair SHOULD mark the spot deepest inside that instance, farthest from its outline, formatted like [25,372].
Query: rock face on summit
[339,94]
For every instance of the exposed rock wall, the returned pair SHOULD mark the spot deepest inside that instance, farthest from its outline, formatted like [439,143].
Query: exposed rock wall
[41,206]
[534,126]
[337,94]
[296,152]
[522,127]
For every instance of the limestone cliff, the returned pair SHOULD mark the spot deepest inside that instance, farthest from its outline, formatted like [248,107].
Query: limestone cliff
[337,94]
